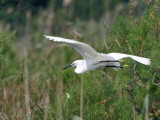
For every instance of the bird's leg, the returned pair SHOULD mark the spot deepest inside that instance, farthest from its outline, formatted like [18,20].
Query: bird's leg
[107,61]
[110,61]
[114,66]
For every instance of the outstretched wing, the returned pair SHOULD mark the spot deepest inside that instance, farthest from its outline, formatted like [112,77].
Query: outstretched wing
[118,56]
[83,49]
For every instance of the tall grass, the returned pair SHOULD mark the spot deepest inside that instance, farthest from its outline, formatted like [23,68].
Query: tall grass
[99,95]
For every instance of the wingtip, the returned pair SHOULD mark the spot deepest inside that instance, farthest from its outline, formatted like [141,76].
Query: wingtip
[48,37]
[149,62]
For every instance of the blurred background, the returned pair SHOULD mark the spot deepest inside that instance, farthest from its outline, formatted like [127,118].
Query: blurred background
[32,84]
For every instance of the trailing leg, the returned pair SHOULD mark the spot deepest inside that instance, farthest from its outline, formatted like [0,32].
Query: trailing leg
[113,66]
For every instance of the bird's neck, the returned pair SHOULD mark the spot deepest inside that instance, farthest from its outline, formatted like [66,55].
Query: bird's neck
[81,66]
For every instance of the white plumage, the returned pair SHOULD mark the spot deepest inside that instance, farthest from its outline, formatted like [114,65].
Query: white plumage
[118,56]
[94,60]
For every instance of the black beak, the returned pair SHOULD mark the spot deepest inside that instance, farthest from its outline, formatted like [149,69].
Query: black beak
[67,66]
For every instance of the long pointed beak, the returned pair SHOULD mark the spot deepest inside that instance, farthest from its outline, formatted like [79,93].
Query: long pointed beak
[67,66]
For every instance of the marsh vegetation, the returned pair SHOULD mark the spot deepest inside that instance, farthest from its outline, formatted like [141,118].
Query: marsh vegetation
[32,84]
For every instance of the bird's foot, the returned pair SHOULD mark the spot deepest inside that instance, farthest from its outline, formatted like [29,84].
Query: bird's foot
[124,66]
[121,60]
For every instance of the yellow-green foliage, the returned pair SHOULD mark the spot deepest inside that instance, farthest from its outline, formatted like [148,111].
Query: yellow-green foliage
[107,94]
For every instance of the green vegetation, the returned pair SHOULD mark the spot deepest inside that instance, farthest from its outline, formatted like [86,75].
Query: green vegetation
[131,93]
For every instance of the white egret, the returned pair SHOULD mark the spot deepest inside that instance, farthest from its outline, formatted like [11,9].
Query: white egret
[94,60]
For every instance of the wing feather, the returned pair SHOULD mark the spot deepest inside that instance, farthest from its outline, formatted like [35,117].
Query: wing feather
[82,48]
[118,56]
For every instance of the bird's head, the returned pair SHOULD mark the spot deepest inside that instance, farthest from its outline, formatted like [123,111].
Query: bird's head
[74,64]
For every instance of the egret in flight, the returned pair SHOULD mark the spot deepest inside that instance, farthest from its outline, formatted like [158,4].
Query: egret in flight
[93,60]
